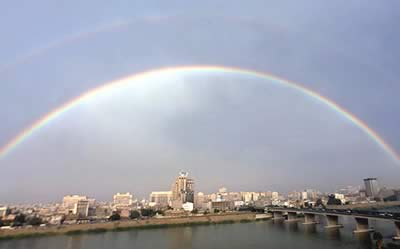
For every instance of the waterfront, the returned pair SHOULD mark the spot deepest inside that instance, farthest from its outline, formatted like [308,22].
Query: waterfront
[126,225]
[260,234]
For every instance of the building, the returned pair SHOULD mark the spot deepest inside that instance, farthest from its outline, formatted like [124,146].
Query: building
[222,205]
[234,196]
[295,195]
[275,195]
[70,201]
[160,198]
[81,208]
[371,187]
[188,206]
[304,195]
[341,197]
[247,196]
[56,219]
[311,194]
[4,211]
[102,211]
[201,201]
[122,200]
[223,191]
[182,190]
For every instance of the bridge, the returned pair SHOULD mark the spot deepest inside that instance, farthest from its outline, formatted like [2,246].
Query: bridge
[332,218]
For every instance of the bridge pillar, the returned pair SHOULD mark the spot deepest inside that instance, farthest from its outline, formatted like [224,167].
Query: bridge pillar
[309,219]
[397,225]
[362,225]
[277,215]
[292,217]
[332,221]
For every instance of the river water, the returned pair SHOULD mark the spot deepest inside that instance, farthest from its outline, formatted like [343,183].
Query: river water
[260,234]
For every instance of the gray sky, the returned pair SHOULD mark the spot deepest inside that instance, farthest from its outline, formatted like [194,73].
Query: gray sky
[225,129]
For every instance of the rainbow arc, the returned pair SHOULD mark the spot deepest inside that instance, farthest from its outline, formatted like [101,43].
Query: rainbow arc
[46,120]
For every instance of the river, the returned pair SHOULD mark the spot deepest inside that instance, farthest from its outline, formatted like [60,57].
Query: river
[261,234]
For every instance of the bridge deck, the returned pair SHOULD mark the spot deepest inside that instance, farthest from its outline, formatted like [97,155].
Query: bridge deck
[327,212]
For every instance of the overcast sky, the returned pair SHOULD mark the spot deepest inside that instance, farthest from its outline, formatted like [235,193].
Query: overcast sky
[226,129]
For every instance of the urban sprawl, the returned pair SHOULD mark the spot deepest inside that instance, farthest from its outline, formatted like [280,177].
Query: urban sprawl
[181,200]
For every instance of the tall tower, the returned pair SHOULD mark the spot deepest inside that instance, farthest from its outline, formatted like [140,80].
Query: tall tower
[371,187]
[182,190]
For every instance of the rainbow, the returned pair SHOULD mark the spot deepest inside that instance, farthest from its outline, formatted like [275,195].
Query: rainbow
[82,35]
[45,120]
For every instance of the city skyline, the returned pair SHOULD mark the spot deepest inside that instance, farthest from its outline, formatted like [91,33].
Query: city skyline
[173,195]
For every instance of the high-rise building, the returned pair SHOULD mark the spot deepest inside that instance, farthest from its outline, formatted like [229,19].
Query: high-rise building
[182,190]
[81,208]
[371,187]
[121,200]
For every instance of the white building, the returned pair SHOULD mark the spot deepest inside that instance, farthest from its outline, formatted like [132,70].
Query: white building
[188,206]
[238,203]
[340,197]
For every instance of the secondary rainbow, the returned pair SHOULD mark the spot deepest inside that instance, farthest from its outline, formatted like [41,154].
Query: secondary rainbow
[45,120]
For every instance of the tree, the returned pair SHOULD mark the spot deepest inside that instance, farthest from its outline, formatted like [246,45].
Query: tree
[319,203]
[34,221]
[114,217]
[134,214]
[19,220]
[160,212]
[147,212]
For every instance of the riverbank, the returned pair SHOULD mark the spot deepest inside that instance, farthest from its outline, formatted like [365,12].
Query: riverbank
[124,225]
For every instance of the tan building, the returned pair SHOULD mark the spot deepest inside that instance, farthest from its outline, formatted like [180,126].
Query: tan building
[81,208]
[222,205]
[182,190]
[161,198]
[102,211]
[122,200]
[200,200]
[234,196]
[4,211]
[70,201]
